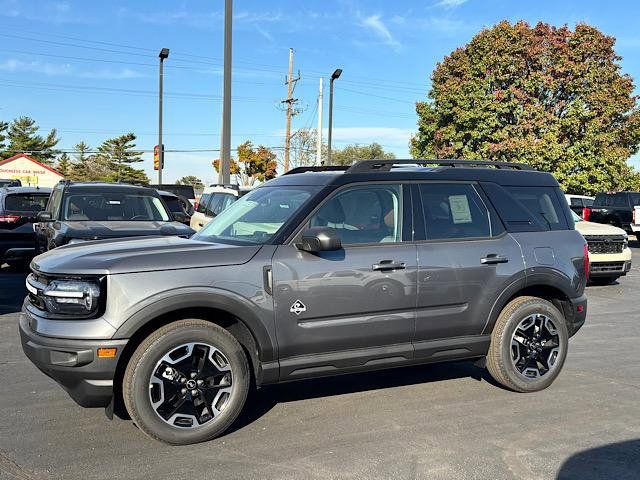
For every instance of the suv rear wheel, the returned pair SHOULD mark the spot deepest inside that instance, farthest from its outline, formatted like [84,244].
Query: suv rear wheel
[187,382]
[528,345]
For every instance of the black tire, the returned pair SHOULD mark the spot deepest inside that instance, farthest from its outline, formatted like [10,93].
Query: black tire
[499,358]
[136,382]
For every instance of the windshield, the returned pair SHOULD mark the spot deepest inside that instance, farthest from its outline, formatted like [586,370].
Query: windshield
[113,206]
[256,217]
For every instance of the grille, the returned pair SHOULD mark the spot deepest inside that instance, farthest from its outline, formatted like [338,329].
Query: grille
[602,267]
[605,244]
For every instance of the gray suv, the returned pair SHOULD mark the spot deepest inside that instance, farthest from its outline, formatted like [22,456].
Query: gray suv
[322,271]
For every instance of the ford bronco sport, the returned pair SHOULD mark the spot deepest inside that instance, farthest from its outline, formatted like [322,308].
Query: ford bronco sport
[322,271]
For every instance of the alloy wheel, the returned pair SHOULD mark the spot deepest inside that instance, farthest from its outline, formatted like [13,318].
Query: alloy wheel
[535,346]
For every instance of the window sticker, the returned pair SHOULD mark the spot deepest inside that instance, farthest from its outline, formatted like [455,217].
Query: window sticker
[460,211]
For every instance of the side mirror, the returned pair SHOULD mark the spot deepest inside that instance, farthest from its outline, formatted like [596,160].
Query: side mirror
[44,217]
[320,239]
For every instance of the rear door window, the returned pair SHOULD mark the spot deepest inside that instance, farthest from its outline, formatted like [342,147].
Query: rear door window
[202,204]
[453,210]
[542,204]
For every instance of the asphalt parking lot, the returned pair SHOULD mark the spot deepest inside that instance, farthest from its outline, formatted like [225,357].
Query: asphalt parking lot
[440,421]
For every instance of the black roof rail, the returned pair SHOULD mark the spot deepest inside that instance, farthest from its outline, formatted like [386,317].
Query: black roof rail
[322,168]
[364,166]
[233,186]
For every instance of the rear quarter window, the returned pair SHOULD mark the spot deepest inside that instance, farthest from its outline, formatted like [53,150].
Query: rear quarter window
[25,202]
[542,205]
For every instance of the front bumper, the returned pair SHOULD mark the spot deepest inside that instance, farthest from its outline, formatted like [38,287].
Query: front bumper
[73,364]
[610,264]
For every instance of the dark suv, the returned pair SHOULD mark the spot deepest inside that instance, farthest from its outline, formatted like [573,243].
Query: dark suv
[613,208]
[18,209]
[77,212]
[315,273]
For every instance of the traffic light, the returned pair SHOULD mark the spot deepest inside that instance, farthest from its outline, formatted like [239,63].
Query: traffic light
[156,158]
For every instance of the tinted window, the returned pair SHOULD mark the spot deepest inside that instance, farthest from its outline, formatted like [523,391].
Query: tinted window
[620,200]
[453,211]
[113,206]
[587,202]
[26,202]
[53,205]
[173,204]
[221,202]
[542,204]
[202,204]
[576,202]
[364,214]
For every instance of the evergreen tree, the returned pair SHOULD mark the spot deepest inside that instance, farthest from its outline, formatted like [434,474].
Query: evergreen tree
[64,165]
[23,138]
[3,138]
[118,154]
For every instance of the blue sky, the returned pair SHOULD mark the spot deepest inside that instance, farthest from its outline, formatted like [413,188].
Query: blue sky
[89,69]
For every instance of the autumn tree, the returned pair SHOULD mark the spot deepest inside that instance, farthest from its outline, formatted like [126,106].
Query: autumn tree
[23,138]
[119,154]
[353,153]
[253,164]
[544,95]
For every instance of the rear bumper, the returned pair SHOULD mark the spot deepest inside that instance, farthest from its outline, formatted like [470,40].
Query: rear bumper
[74,364]
[578,314]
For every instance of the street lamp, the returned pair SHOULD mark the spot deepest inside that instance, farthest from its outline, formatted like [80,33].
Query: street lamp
[334,76]
[164,53]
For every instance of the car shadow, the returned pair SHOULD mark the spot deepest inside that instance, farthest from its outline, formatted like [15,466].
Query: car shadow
[261,401]
[618,461]
[12,288]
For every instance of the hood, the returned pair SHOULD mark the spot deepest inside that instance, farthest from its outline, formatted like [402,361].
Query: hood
[103,257]
[93,230]
[592,228]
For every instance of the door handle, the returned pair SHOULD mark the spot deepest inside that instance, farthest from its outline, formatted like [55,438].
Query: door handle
[388,265]
[493,258]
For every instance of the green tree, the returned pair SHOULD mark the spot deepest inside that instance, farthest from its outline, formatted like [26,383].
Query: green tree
[118,154]
[84,168]
[547,96]
[64,165]
[192,180]
[353,153]
[23,138]
[303,148]
[3,138]
[253,164]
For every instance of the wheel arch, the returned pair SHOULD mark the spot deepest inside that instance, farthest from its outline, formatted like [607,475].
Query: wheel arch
[541,285]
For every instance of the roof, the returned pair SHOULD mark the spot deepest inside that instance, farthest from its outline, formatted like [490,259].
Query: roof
[104,186]
[44,190]
[22,155]
[371,170]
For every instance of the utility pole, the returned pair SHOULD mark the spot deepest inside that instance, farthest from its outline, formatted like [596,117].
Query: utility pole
[319,132]
[290,101]
[164,54]
[225,142]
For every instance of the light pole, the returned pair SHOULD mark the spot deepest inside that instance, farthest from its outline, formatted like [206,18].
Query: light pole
[164,53]
[224,176]
[335,75]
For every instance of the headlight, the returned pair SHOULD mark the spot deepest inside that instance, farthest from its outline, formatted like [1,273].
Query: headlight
[66,297]
[625,241]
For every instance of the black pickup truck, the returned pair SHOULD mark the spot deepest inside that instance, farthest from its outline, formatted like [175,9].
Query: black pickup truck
[613,208]
[83,211]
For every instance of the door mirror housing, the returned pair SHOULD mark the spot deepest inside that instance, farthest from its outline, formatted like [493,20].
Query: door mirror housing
[44,217]
[320,239]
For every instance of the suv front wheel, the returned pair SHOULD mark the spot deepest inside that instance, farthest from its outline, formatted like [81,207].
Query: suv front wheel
[528,345]
[187,382]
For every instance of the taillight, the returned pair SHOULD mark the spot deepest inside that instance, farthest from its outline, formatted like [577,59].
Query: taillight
[9,218]
[586,213]
[586,262]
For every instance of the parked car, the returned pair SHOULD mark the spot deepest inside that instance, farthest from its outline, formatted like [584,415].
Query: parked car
[609,252]
[428,264]
[18,209]
[578,203]
[10,182]
[613,208]
[214,200]
[183,191]
[77,212]
[176,206]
